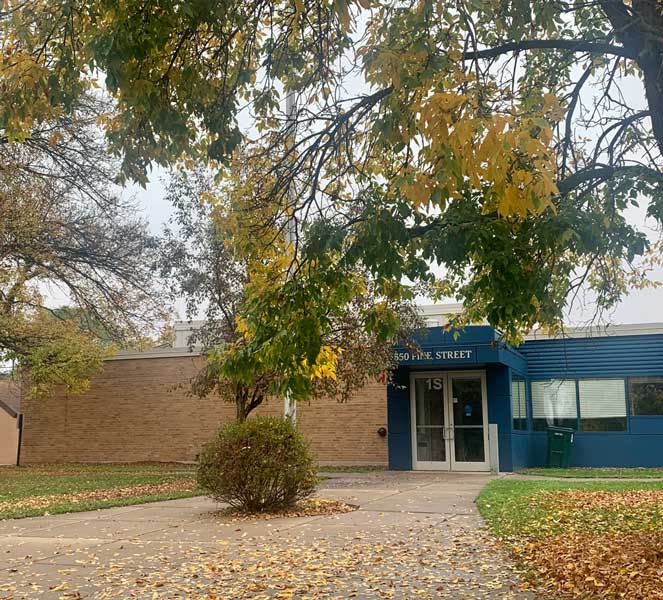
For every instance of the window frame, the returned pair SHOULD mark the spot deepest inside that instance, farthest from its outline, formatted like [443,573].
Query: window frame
[528,411]
[627,406]
[530,392]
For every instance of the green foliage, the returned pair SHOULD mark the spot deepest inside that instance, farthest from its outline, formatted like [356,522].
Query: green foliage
[63,226]
[262,464]
[324,333]
[426,134]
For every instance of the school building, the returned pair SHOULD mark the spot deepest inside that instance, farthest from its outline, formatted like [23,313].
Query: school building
[465,401]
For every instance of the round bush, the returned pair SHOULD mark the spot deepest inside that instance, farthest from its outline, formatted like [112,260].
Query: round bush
[262,464]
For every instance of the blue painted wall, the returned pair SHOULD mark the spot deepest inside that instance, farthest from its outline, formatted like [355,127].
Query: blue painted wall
[595,357]
[575,358]
[616,356]
[498,384]
[399,440]
[399,417]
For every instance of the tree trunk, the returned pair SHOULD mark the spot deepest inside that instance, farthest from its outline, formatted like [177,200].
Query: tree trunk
[640,30]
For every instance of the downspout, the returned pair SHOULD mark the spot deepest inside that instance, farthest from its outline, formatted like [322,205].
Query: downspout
[19,423]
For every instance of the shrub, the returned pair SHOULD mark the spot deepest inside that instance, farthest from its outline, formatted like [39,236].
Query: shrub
[262,464]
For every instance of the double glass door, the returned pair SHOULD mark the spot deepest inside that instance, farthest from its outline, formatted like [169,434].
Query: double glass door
[449,421]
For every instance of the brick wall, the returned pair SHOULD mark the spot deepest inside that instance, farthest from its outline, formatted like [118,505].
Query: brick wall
[139,410]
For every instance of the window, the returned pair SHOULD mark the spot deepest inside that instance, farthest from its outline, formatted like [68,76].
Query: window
[602,404]
[519,404]
[646,394]
[554,404]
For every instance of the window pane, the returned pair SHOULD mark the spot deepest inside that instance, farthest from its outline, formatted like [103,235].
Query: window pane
[519,404]
[646,394]
[554,404]
[429,407]
[602,404]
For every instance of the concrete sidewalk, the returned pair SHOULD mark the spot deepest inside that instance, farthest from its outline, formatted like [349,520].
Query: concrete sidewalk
[415,535]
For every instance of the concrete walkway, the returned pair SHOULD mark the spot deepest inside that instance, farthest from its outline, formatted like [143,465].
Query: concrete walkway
[414,535]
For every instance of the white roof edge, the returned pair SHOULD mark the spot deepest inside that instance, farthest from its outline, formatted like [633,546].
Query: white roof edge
[153,353]
[434,310]
[600,331]
[442,311]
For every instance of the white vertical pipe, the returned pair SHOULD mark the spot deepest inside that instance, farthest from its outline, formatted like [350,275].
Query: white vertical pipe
[290,405]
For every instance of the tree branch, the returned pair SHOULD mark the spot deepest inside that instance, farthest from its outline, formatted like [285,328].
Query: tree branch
[573,45]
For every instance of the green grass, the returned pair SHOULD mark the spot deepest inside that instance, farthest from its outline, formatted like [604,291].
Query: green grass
[605,473]
[35,491]
[25,491]
[515,508]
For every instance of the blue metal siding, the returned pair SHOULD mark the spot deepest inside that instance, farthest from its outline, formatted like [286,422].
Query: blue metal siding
[521,450]
[645,425]
[616,356]
[596,357]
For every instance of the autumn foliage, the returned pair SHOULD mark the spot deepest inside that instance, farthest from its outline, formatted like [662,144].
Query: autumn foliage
[587,543]
[260,465]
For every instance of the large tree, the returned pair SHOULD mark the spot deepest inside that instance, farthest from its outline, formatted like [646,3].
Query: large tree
[501,139]
[66,235]
[206,269]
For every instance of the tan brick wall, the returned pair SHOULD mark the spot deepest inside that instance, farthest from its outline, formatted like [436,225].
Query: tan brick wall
[140,410]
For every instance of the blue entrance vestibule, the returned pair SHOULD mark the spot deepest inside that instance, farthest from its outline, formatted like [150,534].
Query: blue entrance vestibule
[465,400]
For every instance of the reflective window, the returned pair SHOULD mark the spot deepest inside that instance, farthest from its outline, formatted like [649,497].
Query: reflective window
[646,395]
[429,406]
[602,404]
[519,404]
[554,404]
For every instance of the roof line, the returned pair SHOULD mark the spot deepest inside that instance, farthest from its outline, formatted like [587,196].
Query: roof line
[154,353]
[594,331]
[8,409]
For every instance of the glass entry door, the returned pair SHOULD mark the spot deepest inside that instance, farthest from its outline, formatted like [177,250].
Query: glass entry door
[449,421]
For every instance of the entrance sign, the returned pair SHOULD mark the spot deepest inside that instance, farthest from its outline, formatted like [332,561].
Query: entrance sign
[436,355]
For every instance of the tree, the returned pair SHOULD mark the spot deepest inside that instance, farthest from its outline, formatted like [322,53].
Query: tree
[211,273]
[496,139]
[64,232]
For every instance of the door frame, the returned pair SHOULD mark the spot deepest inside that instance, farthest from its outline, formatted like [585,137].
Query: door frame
[450,464]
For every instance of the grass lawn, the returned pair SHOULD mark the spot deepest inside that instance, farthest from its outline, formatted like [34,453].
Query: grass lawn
[53,489]
[602,473]
[34,491]
[581,539]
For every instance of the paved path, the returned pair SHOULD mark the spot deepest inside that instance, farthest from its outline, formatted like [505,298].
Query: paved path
[414,536]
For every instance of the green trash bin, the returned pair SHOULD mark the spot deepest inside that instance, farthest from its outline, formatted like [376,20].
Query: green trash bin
[560,441]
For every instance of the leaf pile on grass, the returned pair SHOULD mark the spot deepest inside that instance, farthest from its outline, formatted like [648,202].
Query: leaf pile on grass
[42,504]
[585,565]
[311,507]
[590,543]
